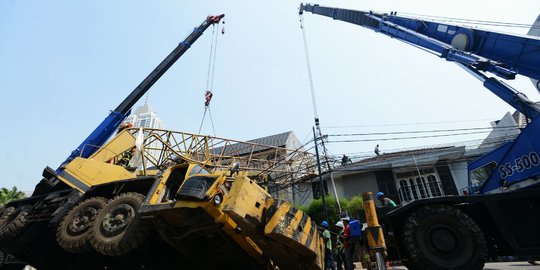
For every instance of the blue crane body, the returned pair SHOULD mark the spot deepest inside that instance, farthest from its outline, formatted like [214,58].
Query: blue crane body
[503,216]
[477,51]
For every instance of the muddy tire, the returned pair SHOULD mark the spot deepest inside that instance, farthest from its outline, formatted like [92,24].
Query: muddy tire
[12,223]
[119,229]
[73,232]
[443,237]
[24,241]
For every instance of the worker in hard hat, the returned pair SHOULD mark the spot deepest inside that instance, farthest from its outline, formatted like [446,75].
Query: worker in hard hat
[328,257]
[340,248]
[385,201]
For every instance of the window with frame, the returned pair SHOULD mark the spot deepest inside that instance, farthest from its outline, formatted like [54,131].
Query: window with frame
[404,192]
[419,184]
[143,122]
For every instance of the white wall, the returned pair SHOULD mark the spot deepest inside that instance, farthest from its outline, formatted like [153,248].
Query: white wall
[346,187]
[352,185]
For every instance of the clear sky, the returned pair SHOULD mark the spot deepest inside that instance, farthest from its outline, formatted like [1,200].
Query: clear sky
[65,64]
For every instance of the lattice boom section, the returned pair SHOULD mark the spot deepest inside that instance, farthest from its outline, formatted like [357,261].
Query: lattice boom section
[162,148]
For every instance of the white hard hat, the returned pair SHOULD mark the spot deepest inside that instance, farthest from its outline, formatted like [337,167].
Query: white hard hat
[340,224]
[347,218]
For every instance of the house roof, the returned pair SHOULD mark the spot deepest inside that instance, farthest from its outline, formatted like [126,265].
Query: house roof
[278,140]
[422,156]
[432,155]
[406,153]
[264,143]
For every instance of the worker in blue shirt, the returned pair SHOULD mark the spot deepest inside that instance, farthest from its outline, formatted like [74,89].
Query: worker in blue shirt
[328,256]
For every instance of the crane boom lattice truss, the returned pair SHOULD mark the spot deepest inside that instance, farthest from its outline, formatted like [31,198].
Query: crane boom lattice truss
[162,148]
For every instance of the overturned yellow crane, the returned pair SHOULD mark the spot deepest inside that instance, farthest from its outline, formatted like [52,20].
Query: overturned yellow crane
[154,199]
[198,194]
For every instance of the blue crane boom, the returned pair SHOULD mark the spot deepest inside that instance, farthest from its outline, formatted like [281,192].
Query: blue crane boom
[462,232]
[109,125]
[502,54]
[479,52]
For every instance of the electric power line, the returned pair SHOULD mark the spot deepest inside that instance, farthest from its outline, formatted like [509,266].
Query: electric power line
[406,138]
[410,124]
[483,129]
[469,144]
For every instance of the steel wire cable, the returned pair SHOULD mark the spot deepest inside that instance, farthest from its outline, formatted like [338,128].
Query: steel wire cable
[210,77]
[473,21]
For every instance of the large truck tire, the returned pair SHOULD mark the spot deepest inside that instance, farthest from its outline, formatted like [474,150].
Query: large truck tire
[443,237]
[12,223]
[73,231]
[118,229]
[18,247]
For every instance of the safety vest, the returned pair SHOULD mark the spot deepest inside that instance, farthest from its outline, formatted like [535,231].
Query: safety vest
[339,241]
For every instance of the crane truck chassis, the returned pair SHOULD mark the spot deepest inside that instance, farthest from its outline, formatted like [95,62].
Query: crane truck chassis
[203,219]
[500,217]
[189,203]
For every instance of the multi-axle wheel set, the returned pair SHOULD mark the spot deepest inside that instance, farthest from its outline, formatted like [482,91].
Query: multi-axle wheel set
[108,226]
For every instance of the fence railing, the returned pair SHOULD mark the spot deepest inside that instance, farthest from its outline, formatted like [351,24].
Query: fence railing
[427,189]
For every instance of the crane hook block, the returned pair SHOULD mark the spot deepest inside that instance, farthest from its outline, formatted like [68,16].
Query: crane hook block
[207,97]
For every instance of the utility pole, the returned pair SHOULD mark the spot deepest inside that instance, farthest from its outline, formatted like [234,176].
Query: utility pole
[321,188]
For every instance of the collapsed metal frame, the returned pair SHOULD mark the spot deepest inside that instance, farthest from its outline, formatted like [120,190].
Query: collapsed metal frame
[161,148]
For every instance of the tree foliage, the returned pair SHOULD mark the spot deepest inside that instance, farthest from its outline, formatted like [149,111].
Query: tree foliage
[353,207]
[7,195]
